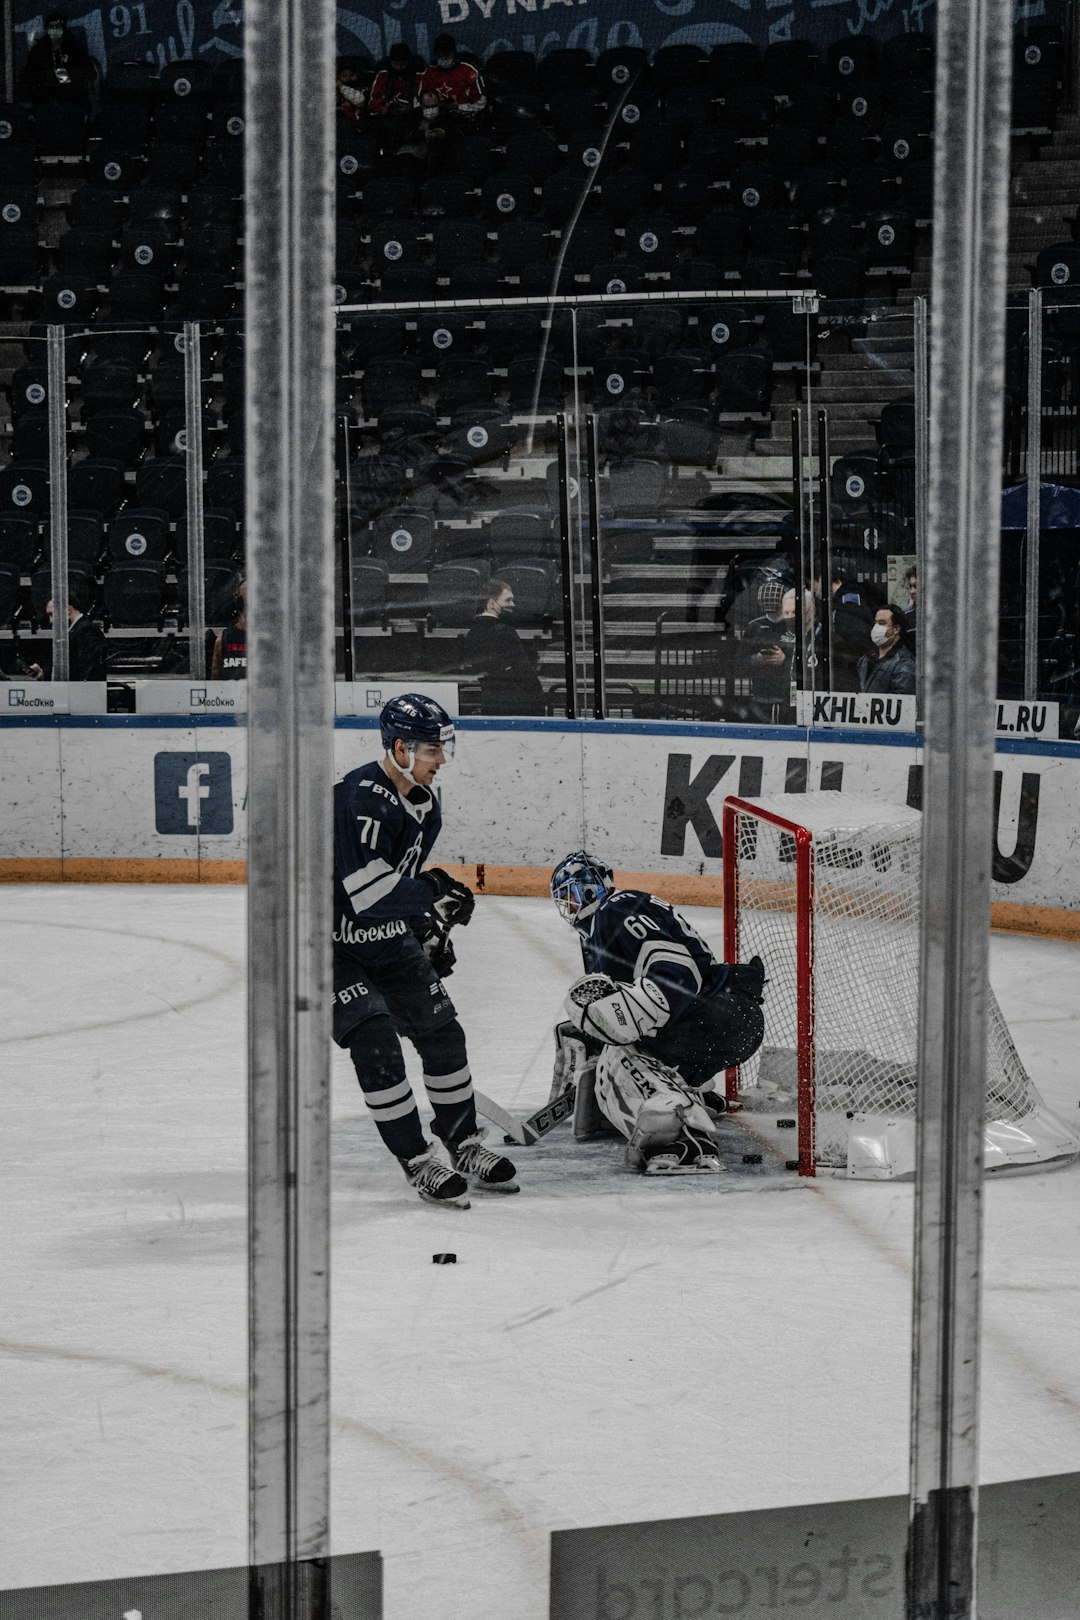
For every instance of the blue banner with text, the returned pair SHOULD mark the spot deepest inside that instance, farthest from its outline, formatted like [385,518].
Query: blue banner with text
[163,31]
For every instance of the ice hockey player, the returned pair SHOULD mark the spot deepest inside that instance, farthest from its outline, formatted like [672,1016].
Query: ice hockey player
[651,1023]
[390,947]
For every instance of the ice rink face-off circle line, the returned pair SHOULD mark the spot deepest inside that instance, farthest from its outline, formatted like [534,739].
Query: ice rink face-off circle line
[235,974]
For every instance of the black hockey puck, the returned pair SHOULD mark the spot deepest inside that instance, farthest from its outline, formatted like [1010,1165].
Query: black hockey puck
[444,1259]
[510,1141]
[751,1158]
[785,1124]
[791,1164]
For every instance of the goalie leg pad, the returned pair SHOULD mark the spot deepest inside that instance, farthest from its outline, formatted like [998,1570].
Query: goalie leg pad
[672,1136]
[590,1118]
[627,1080]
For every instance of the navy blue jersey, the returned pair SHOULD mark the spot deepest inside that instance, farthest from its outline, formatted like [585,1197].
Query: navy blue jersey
[381,841]
[634,935]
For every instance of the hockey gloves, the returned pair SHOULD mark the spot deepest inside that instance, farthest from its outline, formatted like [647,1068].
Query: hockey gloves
[436,944]
[616,1013]
[747,978]
[454,902]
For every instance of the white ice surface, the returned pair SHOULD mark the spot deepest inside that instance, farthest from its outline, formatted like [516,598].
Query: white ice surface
[605,1350]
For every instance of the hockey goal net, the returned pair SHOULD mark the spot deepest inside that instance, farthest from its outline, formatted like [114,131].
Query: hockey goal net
[825,889]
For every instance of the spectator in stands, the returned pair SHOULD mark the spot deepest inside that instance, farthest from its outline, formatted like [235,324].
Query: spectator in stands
[453,79]
[393,91]
[852,608]
[891,666]
[351,95]
[229,659]
[770,645]
[88,650]
[493,649]
[430,141]
[908,614]
[59,67]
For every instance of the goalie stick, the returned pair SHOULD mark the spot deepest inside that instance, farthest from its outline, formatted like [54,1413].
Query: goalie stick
[527,1131]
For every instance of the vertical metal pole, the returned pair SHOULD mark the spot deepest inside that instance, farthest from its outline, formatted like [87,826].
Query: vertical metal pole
[824,551]
[596,555]
[922,473]
[9,50]
[568,563]
[1033,463]
[58,513]
[193,467]
[576,470]
[960,617]
[799,661]
[289,332]
[345,564]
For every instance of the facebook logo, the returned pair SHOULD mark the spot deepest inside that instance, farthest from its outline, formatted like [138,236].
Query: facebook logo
[193,793]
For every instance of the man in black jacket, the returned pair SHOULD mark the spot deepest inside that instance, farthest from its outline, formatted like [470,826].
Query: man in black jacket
[494,650]
[890,667]
[59,68]
[88,651]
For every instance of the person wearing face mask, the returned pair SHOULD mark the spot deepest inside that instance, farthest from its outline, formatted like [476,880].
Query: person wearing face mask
[890,667]
[452,79]
[59,68]
[430,142]
[393,89]
[495,652]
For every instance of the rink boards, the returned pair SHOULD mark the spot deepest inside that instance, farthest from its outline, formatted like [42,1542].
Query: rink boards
[161,798]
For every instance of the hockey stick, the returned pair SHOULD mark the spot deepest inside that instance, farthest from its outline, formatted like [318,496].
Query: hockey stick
[527,1131]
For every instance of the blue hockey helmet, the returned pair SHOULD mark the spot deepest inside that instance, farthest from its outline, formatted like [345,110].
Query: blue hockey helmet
[416,719]
[579,884]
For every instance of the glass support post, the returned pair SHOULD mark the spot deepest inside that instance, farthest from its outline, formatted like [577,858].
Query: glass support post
[1033,465]
[922,460]
[193,464]
[823,551]
[597,567]
[58,514]
[289,383]
[569,553]
[959,624]
[344,562]
[798,497]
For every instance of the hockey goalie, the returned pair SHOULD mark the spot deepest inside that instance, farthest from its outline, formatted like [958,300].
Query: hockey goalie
[650,1024]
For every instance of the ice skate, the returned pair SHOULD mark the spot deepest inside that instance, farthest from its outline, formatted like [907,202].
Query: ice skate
[486,1171]
[435,1181]
[672,1137]
[692,1155]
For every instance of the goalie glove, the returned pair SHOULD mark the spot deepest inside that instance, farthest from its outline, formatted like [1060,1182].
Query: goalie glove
[617,1014]
[454,901]
[575,1056]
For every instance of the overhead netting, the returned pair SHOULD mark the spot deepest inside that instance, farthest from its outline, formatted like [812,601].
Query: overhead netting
[861,971]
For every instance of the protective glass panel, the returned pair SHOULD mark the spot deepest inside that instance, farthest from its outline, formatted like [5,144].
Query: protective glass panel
[455,477]
[864,442]
[124,1207]
[692,469]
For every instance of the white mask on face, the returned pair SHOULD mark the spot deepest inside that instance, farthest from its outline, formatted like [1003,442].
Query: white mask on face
[430,112]
[879,635]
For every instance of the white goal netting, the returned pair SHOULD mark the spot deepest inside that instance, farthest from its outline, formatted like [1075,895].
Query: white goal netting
[837,927]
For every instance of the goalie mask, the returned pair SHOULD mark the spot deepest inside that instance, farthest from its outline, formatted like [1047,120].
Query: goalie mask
[579,884]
